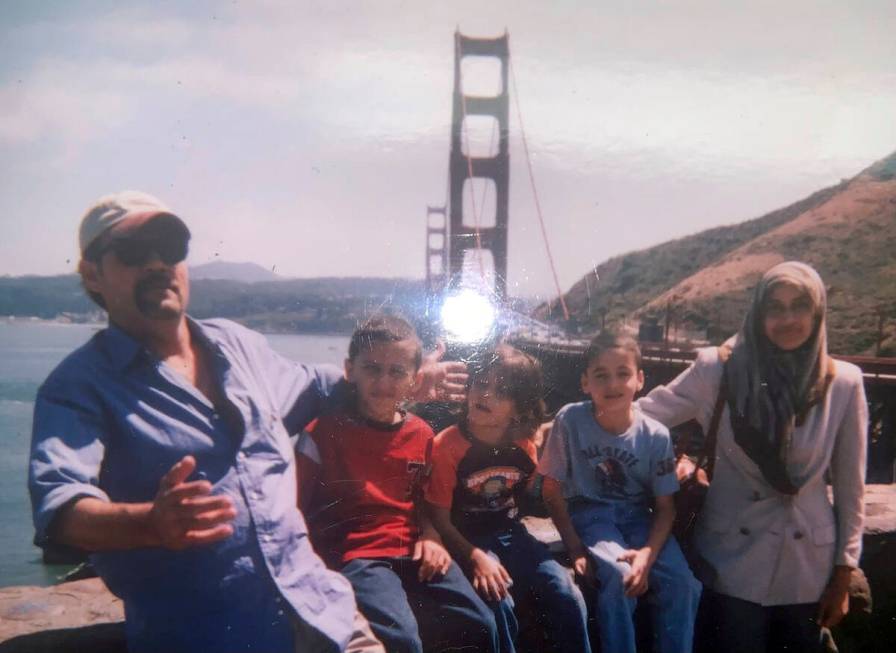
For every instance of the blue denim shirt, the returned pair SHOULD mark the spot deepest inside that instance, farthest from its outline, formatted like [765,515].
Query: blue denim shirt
[112,419]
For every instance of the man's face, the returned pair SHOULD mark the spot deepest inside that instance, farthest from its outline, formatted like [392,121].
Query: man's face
[139,277]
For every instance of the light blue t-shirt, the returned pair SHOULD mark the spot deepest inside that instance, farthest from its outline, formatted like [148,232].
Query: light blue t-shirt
[625,470]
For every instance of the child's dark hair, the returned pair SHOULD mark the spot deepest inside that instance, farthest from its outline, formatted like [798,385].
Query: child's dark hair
[606,340]
[384,328]
[518,377]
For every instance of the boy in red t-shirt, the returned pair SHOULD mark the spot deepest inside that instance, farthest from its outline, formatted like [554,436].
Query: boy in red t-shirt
[361,475]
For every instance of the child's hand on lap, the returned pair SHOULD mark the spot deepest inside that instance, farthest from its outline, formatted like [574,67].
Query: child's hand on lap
[583,566]
[636,582]
[490,578]
[434,559]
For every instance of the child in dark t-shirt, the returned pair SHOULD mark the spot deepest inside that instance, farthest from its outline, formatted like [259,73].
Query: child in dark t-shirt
[481,468]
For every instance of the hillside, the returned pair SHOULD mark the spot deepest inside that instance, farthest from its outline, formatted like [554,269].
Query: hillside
[848,232]
[245,272]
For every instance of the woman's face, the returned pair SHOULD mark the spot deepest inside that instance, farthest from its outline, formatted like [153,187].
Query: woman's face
[788,317]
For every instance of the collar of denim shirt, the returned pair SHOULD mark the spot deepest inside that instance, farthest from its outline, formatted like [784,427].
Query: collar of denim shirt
[123,349]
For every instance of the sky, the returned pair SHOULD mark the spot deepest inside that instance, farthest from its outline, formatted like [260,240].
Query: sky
[309,137]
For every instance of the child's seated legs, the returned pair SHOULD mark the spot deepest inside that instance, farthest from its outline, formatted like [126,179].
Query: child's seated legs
[613,610]
[532,567]
[673,591]
[407,614]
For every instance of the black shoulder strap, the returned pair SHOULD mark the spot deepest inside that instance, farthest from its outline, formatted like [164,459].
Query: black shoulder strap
[708,457]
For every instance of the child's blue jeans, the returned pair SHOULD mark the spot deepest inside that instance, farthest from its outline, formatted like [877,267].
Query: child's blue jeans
[533,569]
[407,614]
[673,592]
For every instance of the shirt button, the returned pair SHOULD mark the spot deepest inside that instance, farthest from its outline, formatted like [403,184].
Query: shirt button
[798,535]
[241,456]
[265,538]
[744,530]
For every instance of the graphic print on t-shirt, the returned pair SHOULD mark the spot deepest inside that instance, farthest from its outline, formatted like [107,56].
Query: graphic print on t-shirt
[493,487]
[610,464]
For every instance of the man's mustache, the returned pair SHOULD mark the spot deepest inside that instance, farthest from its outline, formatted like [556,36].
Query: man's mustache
[155,281]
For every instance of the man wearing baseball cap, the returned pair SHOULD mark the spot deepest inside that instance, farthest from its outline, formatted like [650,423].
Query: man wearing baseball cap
[162,447]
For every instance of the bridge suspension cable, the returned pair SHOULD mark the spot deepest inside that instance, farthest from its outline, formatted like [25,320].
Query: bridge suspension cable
[544,234]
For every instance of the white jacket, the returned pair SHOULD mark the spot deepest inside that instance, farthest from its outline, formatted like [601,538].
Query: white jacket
[767,547]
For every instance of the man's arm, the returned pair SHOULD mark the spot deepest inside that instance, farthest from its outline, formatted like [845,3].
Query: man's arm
[305,392]
[441,380]
[181,515]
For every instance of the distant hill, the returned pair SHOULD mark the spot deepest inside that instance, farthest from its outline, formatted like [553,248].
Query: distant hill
[847,232]
[322,305]
[244,272]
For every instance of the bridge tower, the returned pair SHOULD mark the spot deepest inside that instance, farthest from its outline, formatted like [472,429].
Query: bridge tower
[462,242]
[436,248]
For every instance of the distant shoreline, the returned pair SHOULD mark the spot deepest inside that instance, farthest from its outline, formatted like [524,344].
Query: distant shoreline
[57,321]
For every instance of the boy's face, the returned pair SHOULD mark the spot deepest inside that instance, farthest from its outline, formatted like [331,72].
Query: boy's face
[612,380]
[486,407]
[385,374]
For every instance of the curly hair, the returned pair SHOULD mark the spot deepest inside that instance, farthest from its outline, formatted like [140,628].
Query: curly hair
[518,377]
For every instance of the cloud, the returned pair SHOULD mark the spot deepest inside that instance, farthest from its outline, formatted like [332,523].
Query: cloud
[52,102]
[643,123]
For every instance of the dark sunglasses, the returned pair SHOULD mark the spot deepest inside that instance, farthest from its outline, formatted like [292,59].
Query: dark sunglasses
[137,251]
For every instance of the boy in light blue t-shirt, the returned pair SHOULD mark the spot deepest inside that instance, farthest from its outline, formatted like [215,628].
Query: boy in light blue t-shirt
[609,480]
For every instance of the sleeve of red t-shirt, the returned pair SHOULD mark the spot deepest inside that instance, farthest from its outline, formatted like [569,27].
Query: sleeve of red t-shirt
[447,451]
[306,445]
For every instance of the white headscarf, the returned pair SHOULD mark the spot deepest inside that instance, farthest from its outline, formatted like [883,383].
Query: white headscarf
[769,389]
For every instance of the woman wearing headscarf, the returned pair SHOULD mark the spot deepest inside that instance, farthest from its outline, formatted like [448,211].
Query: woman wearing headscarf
[792,419]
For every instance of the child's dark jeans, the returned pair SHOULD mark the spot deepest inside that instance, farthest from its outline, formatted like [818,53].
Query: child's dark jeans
[408,615]
[533,569]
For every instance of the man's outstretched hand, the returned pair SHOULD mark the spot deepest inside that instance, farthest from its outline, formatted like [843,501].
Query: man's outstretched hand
[187,514]
[441,380]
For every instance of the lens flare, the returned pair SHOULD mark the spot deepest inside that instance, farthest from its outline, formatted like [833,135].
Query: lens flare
[468,316]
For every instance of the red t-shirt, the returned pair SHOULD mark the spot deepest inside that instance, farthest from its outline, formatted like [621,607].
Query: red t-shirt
[369,475]
[480,483]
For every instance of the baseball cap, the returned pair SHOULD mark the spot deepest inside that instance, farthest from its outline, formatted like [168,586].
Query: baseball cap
[123,212]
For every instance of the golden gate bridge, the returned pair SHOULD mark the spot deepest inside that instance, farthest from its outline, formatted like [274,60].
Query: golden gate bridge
[467,250]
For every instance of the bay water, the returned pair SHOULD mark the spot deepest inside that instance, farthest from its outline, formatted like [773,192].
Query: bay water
[29,350]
